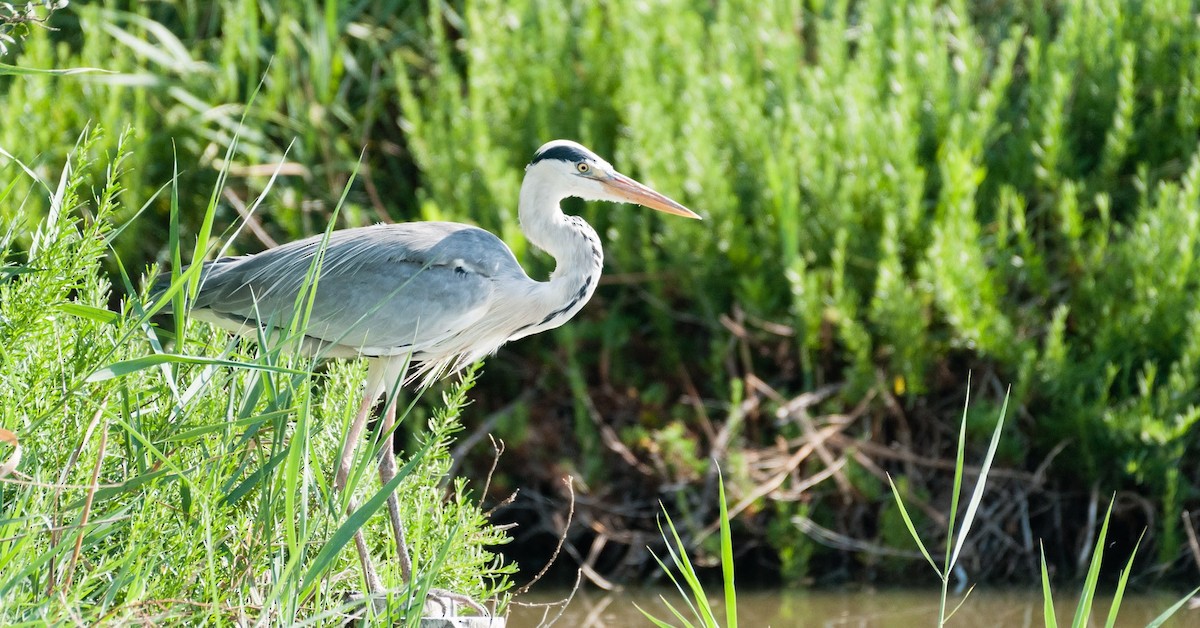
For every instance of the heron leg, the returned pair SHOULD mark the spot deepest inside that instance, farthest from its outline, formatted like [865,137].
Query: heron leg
[374,584]
[387,471]
[353,436]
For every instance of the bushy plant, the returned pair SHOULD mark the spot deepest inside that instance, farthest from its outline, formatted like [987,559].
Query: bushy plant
[193,482]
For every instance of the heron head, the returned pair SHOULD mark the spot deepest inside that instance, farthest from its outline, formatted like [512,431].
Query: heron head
[579,172]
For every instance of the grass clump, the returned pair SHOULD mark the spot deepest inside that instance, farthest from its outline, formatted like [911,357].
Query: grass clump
[955,541]
[694,595]
[1088,595]
[192,484]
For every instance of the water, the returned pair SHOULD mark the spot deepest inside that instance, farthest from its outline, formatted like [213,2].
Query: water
[882,609]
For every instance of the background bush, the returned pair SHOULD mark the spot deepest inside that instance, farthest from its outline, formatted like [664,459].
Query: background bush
[895,195]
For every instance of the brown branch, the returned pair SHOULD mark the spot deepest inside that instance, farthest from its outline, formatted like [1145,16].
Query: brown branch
[561,539]
[561,604]
[56,536]
[797,410]
[250,219]
[1190,529]
[593,617]
[588,571]
[610,439]
[18,17]
[836,540]
[880,451]
[1039,474]
[465,444]
[87,506]
[498,447]
[775,482]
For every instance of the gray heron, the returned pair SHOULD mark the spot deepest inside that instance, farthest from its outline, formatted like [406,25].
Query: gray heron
[423,299]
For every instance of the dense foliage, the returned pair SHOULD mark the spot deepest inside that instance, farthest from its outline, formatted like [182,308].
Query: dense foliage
[896,195]
[193,483]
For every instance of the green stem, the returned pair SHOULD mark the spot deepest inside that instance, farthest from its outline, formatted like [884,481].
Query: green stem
[942,605]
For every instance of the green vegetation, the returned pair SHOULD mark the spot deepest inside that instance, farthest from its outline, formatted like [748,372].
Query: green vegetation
[697,599]
[954,546]
[954,542]
[895,193]
[695,596]
[1086,597]
[193,485]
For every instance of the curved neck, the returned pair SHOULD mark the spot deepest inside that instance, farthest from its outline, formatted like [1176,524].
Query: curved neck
[573,244]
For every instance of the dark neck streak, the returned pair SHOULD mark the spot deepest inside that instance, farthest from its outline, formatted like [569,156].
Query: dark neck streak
[576,249]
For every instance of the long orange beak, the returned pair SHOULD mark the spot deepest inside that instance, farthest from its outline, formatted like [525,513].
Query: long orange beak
[634,192]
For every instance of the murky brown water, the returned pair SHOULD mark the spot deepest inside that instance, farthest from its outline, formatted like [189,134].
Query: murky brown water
[885,609]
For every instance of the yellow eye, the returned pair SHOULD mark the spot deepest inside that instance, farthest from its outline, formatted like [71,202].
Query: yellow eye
[582,167]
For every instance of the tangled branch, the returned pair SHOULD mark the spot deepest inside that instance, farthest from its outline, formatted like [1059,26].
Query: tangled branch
[16,21]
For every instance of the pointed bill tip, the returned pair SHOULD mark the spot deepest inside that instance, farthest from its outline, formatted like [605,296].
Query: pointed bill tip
[674,209]
[632,191]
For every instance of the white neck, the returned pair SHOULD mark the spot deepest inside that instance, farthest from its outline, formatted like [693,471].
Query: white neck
[573,244]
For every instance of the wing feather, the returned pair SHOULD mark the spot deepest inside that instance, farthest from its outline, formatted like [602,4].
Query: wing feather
[382,289]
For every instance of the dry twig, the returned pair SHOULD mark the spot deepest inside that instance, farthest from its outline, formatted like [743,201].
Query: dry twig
[56,536]
[1190,529]
[561,539]
[87,505]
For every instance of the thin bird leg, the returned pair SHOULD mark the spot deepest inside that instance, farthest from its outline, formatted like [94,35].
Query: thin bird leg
[387,471]
[439,598]
[353,436]
[374,585]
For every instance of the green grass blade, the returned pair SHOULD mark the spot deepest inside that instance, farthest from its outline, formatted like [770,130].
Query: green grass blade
[960,603]
[689,575]
[654,620]
[306,297]
[98,314]
[980,486]
[911,528]
[13,70]
[203,430]
[1116,603]
[210,212]
[675,581]
[959,458]
[133,365]
[678,615]
[32,566]
[1088,595]
[108,492]
[293,470]
[260,475]
[176,293]
[356,520]
[1167,614]
[1047,596]
[727,557]
[424,582]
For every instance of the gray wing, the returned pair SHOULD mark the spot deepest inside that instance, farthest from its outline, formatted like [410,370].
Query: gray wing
[382,289]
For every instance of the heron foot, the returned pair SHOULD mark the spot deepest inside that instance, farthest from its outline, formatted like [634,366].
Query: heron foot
[443,603]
